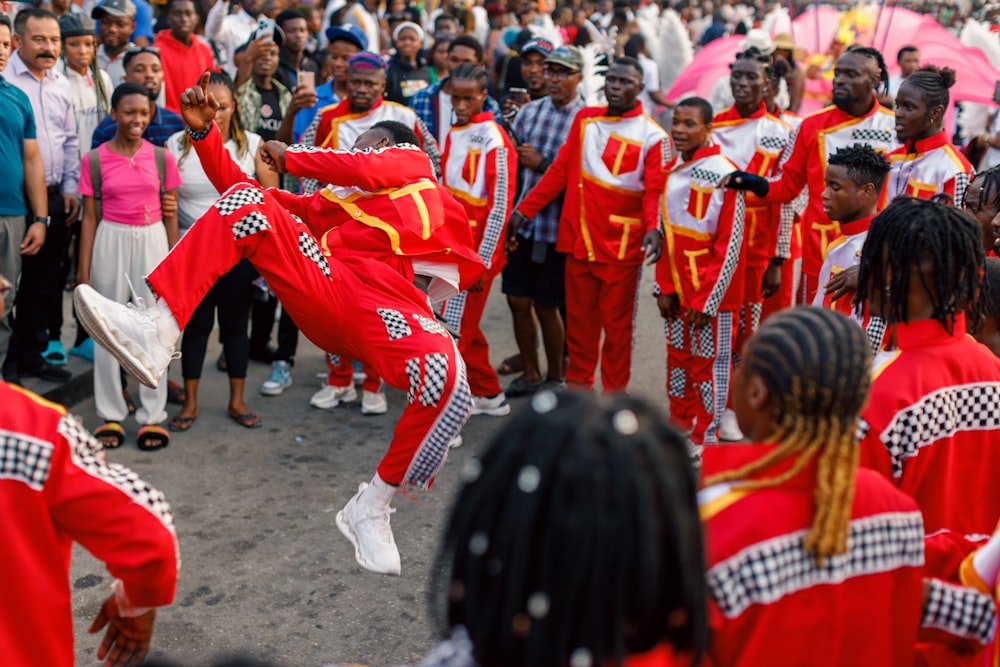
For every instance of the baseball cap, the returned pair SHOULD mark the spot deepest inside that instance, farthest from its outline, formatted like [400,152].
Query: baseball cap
[117,8]
[566,56]
[75,25]
[348,33]
[538,44]
[758,39]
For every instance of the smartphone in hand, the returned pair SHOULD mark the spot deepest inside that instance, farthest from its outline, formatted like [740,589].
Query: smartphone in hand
[307,79]
[520,96]
[265,29]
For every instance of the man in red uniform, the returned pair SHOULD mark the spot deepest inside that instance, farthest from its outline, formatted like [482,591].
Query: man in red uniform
[56,489]
[609,223]
[346,303]
[932,422]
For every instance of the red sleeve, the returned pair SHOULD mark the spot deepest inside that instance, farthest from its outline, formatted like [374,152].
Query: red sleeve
[726,250]
[793,168]
[654,178]
[369,170]
[554,181]
[113,514]
[874,455]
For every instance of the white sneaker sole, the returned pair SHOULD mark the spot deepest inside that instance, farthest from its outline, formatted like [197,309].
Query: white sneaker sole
[275,391]
[380,410]
[331,403]
[501,411]
[87,314]
[348,531]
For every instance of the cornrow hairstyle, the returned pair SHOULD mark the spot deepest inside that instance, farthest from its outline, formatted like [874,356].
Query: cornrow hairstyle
[220,77]
[933,82]
[911,233]
[398,132]
[575,534]
[883,71]
[470,72]
[816,365]
[864,164]
[702,105]
[989,190]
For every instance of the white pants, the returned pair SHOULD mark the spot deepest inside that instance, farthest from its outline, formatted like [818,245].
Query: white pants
[119,251]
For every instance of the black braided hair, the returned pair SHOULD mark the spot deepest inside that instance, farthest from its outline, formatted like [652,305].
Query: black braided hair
[754,54]
[883,71]
[470,72]
[864,164]
[990,296]
[989,190]
[933,82]
[576,534]
[908,234]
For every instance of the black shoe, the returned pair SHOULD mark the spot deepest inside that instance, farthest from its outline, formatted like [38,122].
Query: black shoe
[46,372]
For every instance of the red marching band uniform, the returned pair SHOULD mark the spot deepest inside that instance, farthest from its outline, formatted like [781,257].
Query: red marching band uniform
[608,168]
[926,168]
[702,265]
[479,167]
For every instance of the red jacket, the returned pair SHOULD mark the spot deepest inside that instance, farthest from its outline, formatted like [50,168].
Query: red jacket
[606,173]
[55,489]
[182,65]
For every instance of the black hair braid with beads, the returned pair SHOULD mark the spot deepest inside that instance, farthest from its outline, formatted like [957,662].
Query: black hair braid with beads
[908,234]
[989,189]
[883,71]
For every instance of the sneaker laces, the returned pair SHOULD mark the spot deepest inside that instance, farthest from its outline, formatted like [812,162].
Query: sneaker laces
[378,519]
[136,303]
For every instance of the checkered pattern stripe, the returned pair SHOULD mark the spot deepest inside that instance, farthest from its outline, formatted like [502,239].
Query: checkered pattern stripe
[731,261]
[960,611]
[938,415]
[876,333]
[497,217]
[707,399]
[756,309]
[961,185]
[873,135]
[773,143]
[788,149]
[702,174]
[395,323]
[332,359]
[25,459]
[453,310]
[783,248]
[431,453]
[767,571]
[88,455]
[703,340]
[676,382]
[431,326]
[674,330]
[434,380]
[251,223]
[236,200]
[722,370]
[309,248]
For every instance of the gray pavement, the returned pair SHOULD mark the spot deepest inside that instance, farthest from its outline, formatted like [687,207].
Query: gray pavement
[264,569]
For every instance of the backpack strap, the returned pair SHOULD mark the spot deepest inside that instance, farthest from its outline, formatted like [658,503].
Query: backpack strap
[161,167]
[95,180]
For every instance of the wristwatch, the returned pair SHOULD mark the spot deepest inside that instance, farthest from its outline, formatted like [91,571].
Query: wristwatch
[46,219]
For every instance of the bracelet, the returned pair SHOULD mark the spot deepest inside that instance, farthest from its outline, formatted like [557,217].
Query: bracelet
[198,136]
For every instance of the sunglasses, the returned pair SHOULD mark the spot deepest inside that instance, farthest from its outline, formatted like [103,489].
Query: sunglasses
[135,50]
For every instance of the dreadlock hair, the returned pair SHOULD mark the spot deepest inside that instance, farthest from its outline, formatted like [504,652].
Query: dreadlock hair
[236,132]
[864,164]
[933,82]
[470,72]
[575,534]
[989,190]
[398,132]
[876,55]
[912,232]
[816,365]
[990,296]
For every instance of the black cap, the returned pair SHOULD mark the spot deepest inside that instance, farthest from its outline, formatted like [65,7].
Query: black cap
[75,25]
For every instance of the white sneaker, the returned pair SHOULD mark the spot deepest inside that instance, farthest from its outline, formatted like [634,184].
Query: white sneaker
[373,403]
[367,527]
[279,379]
[137,336]
[330,397]
[455,442]
[729,428]
[495,406]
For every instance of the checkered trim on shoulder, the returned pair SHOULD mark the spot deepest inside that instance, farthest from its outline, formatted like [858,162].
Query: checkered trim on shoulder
[702,174]
[774,143]
[873,135]
[768,571]
[236,200]
[431,326]
[252,223]
[88,455]
[311,251]
[24,458]
[960,611]
[395,323]
[940,414]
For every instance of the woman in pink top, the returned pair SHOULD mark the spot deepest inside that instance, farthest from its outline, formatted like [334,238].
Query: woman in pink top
[119,249]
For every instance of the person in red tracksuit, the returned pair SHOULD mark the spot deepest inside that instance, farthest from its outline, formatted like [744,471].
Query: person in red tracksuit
[346,302]
[608,170]
[479,167]
[812,560]
[699,280]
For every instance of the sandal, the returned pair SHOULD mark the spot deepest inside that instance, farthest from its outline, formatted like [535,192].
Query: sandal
[179,423]
[176,393]
[110,432]
[55,354]
[152,437]
[510,365]
[248,420]
[521,386]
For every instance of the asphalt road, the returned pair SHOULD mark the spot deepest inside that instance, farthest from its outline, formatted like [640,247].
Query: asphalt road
[264,569]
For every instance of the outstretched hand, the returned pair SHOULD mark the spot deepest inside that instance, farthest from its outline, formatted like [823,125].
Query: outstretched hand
[198,106]
[273,154]
[126,641]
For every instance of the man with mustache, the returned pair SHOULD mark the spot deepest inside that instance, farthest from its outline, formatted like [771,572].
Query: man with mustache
[39,297]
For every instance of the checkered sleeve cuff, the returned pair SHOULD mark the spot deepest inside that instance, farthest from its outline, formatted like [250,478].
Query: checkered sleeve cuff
[960,611]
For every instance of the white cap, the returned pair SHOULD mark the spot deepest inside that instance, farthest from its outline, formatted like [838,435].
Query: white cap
[758,39]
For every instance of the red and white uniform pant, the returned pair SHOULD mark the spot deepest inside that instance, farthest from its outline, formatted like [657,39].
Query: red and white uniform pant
[464,313]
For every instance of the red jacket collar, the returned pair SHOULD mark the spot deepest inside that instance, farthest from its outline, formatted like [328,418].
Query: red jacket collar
[924,145]
[631,113]
[857,226]
[926,333]
[478,118]
[707,151]
[841,114]
[732,114]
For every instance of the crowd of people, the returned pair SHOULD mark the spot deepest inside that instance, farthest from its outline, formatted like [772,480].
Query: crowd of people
[827,285]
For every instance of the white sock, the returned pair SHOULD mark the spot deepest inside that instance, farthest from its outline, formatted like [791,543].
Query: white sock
[379,492]
[166,323]
[986,561]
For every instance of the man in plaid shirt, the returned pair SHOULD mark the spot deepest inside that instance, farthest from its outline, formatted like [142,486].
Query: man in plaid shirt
[533,278]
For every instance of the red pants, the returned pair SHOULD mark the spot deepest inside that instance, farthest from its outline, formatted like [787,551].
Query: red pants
[699,366]
[464,313]
[600,297]
[341,374]
[748,318]
[348,305]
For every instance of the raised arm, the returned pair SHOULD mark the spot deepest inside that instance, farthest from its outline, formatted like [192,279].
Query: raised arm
[368,169]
